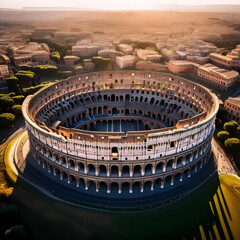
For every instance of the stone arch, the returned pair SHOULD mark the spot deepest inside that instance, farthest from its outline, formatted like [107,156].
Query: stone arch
[170,164]
[114,171]
[63,160]
[160,167]
[114,187]
[102,170]
[137,170]
[179,162]
[125,171]
[81,167]
[148,185]
[136,187]
[103,187]
[148,169]
[91,169]
[71,164]
[126,187]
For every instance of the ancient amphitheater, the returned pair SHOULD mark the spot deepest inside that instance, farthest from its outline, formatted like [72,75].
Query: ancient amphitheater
[121,133]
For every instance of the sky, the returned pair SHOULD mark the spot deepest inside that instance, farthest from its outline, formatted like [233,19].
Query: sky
[109,4]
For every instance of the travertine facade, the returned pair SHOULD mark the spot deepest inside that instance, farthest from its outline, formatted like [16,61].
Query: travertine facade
[232,105]
[66,120]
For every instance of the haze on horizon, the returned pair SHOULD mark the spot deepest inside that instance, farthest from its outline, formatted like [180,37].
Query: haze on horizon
[112,4]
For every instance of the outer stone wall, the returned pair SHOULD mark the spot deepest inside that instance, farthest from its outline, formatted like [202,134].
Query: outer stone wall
[114,160]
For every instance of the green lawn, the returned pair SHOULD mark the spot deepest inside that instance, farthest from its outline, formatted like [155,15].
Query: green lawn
[211,212]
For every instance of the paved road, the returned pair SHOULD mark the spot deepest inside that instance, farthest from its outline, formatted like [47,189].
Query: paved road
[224,163]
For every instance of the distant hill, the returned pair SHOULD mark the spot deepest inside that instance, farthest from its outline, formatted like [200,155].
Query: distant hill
[160,7]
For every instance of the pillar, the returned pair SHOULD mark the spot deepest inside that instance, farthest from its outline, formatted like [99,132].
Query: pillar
[164,167]
[86,169]
[142,187]
[131,171]
[152,186]
[119,188]
[96,170]
[130,187]
[108,171]
[142,170]
[153,169]
[120,171]
[172,180]
[108,188]
[54,172]
[77,182]
[162,183]
[97,187]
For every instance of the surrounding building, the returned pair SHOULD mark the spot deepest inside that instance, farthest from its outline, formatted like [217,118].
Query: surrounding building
[70,60]
[151,66]
[4,74]
[99,133]
[85,50]
[108,53]
[149,55]
[125,48]
[232,105]
[125,61]
[178,67]
[169,54]
[218,77]
[88,65]
[31,54]
[230,61]
[4,60]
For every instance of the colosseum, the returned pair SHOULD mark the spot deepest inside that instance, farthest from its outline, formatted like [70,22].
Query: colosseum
[121,133]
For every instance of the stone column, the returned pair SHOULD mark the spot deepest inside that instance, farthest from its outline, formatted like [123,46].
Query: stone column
[172,180]
[86,169]
[96,170]
[108,188]
[120,171]
[153,169]
[108,171]
[131,170]
[97,187]
[142,186]
[142,170]
[130,187]
[77,182]
[119,187]
[164,167]
[152,186]
[162,183]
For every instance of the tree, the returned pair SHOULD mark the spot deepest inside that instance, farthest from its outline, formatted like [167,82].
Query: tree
[230,126]
[18,99]
[6,119]
[101,63]
[6,102]
[47,70]
[232,145]
[55,56]
[25,77]
[219,123]
[222,113]
[13,85]
[223,135]
[17,110]
[26,68]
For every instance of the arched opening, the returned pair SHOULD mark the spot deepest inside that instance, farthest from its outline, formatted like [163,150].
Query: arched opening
[63,161]
[170,164]
[178,178]
[103,187]
[148,169]
[188,158]
[159,167]
[180,162]
[102,170]
[125,187]
[186,174]
[136,187]
[148,186]
[81,183]
[72,180]
[137,170]
[81,167]
[112,98]
[114,187]
[125,171]
[157,183]
[71,164]
[168,181]
[114,171]
[91,169]
[91,186]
